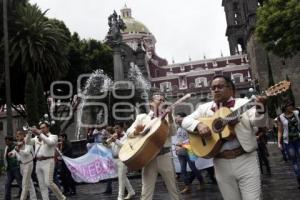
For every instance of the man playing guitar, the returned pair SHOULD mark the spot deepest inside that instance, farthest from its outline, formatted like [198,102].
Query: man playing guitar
[162,163]
[236,166]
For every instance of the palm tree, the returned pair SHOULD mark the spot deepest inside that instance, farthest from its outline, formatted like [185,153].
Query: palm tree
[38,45]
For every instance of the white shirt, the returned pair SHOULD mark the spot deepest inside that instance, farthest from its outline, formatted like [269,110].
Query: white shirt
[25,153]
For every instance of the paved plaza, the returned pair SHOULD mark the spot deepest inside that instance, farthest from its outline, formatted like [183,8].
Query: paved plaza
[281,185]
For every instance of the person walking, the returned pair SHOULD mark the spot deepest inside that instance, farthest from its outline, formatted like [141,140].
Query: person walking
[12,168]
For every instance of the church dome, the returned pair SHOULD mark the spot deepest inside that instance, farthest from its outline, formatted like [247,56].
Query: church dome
[132,25]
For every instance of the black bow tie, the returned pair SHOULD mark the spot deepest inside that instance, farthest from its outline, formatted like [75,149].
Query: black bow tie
[228,104]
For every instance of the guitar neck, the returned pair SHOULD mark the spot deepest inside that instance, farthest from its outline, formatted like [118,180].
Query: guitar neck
[238,112]
[185,97]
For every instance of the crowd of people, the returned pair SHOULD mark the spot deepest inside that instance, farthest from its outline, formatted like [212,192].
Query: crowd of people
[237,167]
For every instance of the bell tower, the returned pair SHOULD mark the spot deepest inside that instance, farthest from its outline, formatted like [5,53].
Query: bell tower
[236,20]
[126,12]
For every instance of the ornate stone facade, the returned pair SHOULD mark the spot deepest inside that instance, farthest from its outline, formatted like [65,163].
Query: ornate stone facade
[241,20]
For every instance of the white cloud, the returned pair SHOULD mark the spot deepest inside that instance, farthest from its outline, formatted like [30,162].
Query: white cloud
[182,28]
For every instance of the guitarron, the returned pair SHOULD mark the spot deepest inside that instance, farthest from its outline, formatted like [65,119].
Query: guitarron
[219,125]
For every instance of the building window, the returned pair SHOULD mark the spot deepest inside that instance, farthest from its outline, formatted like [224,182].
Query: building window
[182,83]
[182,68]
[215,64]
[165,86]
[237,78]
[201,82]
[235,6]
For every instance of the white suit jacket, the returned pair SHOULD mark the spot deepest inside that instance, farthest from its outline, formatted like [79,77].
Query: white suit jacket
[244,130]
[144,119]
[46,147]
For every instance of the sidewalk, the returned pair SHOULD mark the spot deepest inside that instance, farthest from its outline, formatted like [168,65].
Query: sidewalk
[281,185]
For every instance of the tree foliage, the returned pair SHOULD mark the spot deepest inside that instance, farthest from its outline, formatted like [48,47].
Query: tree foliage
[85,56]
[278,26]
[38,45]
[44,46]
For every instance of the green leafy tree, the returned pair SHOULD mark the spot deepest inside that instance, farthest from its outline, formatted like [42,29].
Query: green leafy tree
[85,56]
[278,26]
[41,98]
[31,101]
[39,45]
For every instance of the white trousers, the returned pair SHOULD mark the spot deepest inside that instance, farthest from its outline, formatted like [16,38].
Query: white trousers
[239,178]
[27,184]
[123,180]
[161,164]
[44,172]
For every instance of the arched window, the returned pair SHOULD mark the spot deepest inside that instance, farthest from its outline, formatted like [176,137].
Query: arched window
[182,82]
[165,86]
[201,82]
[238,78]
[235,6]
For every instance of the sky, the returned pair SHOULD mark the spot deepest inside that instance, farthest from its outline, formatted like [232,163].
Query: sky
[183,28]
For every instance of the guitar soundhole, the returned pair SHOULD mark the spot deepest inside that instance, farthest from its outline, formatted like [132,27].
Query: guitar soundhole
[217,126]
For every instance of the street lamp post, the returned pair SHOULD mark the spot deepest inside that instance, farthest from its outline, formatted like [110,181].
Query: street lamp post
[9,127]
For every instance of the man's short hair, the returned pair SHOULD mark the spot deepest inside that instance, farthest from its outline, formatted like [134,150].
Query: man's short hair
[9,138]
[227,80]
[156,94]
[286,104]
[119,123]
[45,122]
[21,132]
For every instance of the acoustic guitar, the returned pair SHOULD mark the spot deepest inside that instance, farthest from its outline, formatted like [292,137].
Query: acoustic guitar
[221,126]
[137,152]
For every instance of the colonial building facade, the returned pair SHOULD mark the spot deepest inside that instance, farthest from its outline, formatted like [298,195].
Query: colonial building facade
[187,77]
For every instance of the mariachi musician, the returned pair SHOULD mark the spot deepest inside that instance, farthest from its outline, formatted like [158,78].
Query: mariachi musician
[162,163]
[45,145]
[236,165]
